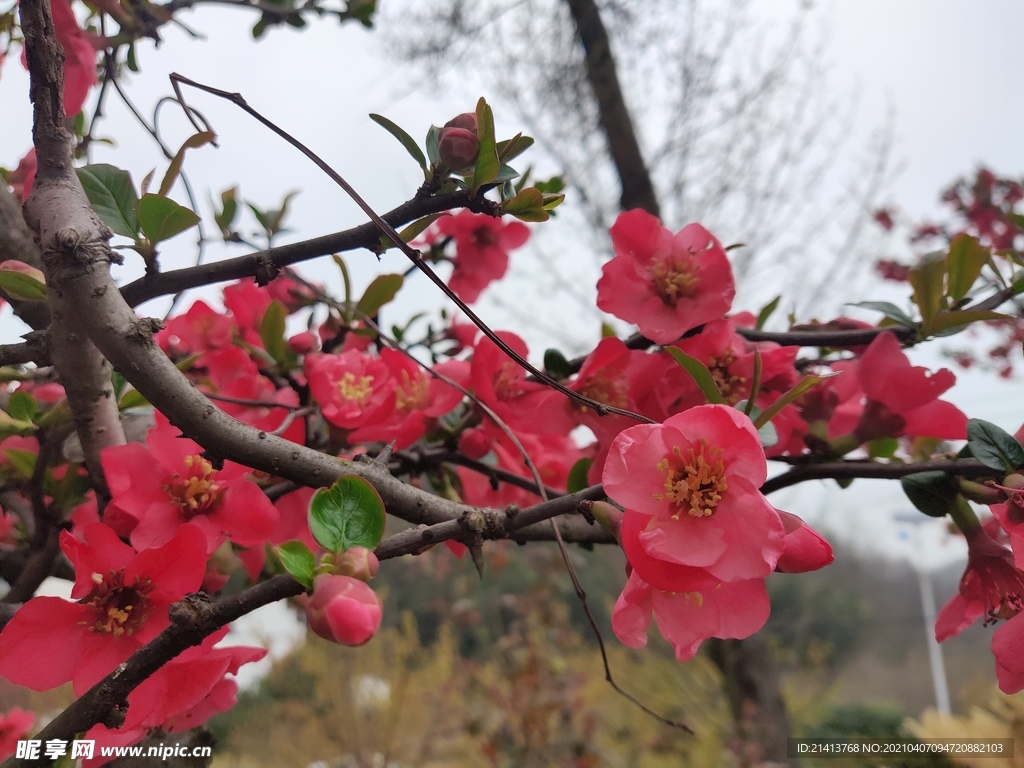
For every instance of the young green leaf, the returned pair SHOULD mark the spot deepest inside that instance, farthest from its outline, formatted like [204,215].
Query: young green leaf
[513,147]
[700,374]
[928,278]
[966,258]
[956,319]
[555,365]
[272,331]
[161,218]
[22,286]
[112,195]
[487,163]
[888,309]
[433,140]
[801,386]
[993,446]
[933,493]
[378,293]
[407,141]
[577,479]
[766,312]
[298,561]
[192,142]
[348,514]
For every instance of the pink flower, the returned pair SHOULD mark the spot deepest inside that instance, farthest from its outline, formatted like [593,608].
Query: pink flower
[352,389]
[457,143]
[14,726]
[248,303]
[123,597]
[167,482]
[903,399]
[991,586]
[500,383]
[735,609]
[198,330]
[665,283]
[1008,648]
[23,177]
[343,610]
[696,477]
[482,244]
[804,548]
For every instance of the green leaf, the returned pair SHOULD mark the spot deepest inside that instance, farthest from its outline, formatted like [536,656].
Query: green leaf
[766,312]
[226,217]
[18,285]
[577,480]
[407,141]
[700,374]
[768,435]
[487,163]
[433,138]
[888,309]
[112,195]
[272,331]
[966,258]
[192,142]
[348,514]
[23,406]
[161,218]
[607,332]
[927,278]
[553,201]
[11,426]
[945,321]
[513,147]
[22,462]
[993,446]
[883,447]
[801,386]
[298,561]
[131,399]
[506,173]
[528,205]
[933,493]
[378,293]
[555,365]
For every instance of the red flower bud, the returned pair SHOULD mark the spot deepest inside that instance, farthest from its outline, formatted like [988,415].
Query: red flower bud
[343,610]
[359,563]
[303,343]
[458,144]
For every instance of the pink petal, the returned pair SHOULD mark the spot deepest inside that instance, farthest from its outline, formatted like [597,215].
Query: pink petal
[44,628]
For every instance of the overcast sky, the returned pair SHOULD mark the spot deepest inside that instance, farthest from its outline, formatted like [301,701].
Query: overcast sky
[950,69]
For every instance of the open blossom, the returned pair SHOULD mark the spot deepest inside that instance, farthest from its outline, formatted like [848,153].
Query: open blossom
[696,478]
[991,586]
[482,244]
[665,283]
[352,388]
[735,609]
[168,482]
[200,329]
[902,399]
[123,596]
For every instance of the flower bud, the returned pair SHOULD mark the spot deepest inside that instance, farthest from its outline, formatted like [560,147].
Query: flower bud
[343,610]
[357,562]
[457,143]
[475,443]
[303,343]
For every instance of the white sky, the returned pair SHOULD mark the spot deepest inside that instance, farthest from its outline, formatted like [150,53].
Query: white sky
[952,71]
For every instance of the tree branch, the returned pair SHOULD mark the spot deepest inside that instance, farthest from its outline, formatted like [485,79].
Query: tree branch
[869,469]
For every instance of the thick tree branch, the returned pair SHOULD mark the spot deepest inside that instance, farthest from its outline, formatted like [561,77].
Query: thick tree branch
[73,242]
[265,265]
[637,189]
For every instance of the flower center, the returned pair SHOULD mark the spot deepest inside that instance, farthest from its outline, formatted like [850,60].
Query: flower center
[485,236]
[674,280]
[605,389]
[506,381]
[728,383]
[358,391]
[195,492]
[995,581]
[412,394]
[694,479]
[120,608]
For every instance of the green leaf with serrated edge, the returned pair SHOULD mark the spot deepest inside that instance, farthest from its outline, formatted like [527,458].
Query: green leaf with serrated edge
[945,321]
[406,140]
[298,561]
[487,163]
[23,287]
[22,406]
[883,447]
[161,218]
[801,386]
[888,309]
[933,493]
[766,312]
[272,331]
[433,138]
[700,374]
[192,142]
[577,479]
[928,279]
[412,231]
[513,147]
[965,259]
[556,365]
[112,196]
[348,514]
[993,446]
[378,293]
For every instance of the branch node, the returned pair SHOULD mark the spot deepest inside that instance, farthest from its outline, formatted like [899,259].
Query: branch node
[266,270]
[142,330]
[192,611]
